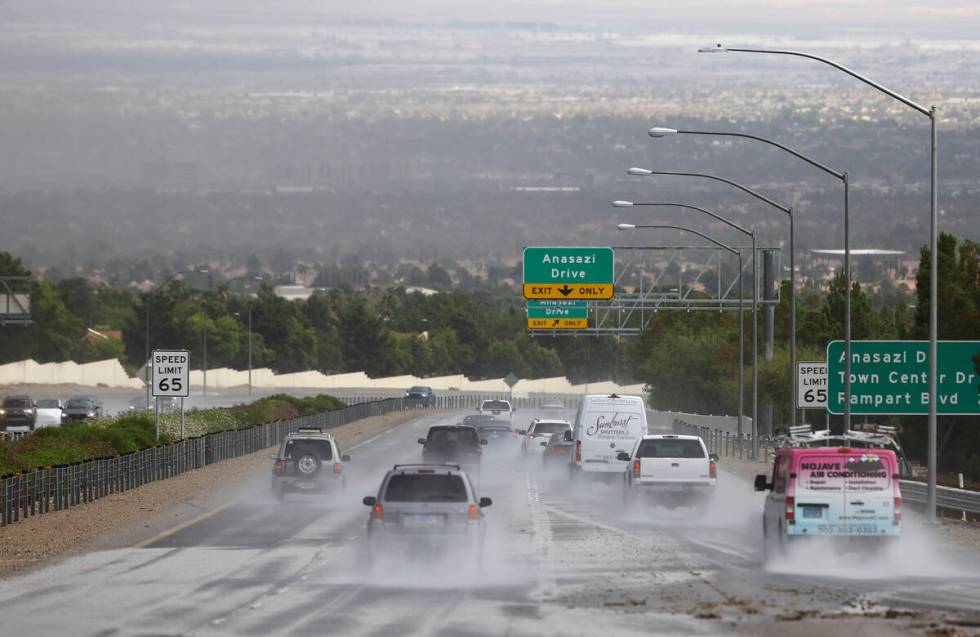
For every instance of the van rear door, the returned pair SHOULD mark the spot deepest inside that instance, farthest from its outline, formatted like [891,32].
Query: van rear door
[608,426]
[818,499]
[844,492]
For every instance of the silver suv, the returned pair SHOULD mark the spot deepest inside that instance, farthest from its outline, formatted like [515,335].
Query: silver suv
[309,461]
[426,499]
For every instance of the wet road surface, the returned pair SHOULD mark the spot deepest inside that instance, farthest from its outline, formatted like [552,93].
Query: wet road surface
[560,559]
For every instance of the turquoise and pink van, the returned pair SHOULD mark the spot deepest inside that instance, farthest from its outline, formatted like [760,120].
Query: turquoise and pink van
[831,492]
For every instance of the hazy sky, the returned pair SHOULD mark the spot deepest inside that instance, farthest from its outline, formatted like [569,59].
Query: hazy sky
[937,19]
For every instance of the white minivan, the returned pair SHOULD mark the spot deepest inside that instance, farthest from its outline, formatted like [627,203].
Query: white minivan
[605,426]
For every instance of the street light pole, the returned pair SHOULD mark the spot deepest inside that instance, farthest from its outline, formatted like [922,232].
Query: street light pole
[658,132]
[933,248]
[250,349]
[643,172]
[755,353]
[741,303]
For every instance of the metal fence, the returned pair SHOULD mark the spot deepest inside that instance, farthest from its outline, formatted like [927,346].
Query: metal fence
[728,444]
[473,400]
[59,487]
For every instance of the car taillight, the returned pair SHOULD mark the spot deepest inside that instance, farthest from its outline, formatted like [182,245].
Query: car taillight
[712,469]
[790,510]
[578,451]
[377,513]
[277,468]
[337,467]
[636,468]
[898,512]
[474,513]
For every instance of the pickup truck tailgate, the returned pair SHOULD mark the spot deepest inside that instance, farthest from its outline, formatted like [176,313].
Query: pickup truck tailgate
[674,470]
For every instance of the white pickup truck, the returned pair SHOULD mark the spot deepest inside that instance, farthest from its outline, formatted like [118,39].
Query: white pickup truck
[670,464]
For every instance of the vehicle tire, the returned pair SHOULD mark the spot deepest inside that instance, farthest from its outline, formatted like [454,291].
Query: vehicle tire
[307,465]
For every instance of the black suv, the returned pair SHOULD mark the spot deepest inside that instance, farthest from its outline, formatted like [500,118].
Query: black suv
[452,443]
[17,411]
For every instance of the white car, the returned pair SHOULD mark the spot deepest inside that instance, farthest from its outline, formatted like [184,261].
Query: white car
[538,433]
[671,465]
[50,412]
[604,427]
[498,408]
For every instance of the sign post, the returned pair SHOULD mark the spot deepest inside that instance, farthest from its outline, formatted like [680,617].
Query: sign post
[892,377]
[558,315]
[171,378]
[568,273]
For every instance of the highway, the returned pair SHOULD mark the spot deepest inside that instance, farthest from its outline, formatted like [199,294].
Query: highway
[561,559]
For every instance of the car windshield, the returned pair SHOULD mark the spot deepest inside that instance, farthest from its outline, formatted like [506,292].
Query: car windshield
[296,449]
[670,448]
[21,403]
[426,488]
[80,403]
[420,390]
[48,403]
[451,438]
[550,427]
[474,419]
[496,405]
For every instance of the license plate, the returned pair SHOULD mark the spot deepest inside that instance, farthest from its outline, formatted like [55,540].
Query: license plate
[676,488]
[306,485]
[812,512]
[421,520]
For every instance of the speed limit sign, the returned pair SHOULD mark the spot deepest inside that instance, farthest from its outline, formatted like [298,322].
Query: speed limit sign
[811,385]
[171,372]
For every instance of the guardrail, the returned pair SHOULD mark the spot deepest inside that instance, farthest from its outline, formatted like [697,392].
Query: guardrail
[472,401]
[47,489]
[727,444]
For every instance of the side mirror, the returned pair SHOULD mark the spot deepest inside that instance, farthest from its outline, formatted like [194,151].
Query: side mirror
[544,444]
[421,441]
[622,455]
[345,458]
[713,457]
[761,484]
[485,502]
[568,436]
[369,501]
[483,441]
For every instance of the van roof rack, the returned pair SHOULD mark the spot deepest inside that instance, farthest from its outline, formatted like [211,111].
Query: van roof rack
[309,430]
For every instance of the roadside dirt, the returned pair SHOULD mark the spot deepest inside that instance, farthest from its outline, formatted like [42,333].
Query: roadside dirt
[123,519]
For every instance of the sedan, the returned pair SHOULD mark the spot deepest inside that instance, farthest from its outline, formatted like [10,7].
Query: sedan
[82,408]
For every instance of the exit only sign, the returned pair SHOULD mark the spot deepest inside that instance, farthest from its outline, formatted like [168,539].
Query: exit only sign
[568,273]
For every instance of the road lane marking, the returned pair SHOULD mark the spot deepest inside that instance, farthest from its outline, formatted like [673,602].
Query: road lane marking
[183,525]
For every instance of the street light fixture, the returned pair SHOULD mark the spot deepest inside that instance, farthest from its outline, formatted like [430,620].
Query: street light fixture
[792,251]
[933,246]
[741,300]
[755,306]
[658,132]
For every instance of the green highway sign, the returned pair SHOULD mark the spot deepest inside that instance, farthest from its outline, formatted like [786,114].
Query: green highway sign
[568,273]
[892,377]
[558,309]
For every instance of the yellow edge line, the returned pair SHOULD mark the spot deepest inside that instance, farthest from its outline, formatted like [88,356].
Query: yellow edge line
[183,525]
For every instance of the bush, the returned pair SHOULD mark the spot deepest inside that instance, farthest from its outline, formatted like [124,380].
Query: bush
[80,441]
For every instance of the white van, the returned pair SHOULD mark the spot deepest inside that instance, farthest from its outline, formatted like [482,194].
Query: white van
[605,426]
